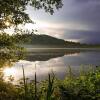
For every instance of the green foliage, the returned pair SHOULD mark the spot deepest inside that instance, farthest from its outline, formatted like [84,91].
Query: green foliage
[7,59]
[8,91]
[13,11]
[50,88]
[84,87]
[6,40]
[9,51]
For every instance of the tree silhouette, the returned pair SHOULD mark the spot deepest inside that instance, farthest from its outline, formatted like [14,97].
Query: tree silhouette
[13,11]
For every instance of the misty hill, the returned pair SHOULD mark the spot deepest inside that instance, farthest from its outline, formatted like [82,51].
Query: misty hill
[46,40]
[49,41]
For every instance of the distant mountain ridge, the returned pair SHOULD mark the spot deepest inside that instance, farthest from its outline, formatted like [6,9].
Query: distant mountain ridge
[46,40]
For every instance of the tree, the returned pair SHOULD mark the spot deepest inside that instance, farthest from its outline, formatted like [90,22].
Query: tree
[13,11]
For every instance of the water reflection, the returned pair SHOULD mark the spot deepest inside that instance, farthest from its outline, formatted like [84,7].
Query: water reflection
[9,71]
[42,69]
[49,54]
[8,58]
[53,61]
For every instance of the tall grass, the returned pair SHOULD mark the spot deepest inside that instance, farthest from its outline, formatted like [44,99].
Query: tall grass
[27,86]
[84,87]
[35,84]
[24,83]
[50,88]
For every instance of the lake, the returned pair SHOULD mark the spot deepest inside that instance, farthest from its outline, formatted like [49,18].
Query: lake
[45,61]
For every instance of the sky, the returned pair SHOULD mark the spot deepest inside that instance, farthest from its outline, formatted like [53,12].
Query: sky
[77,20]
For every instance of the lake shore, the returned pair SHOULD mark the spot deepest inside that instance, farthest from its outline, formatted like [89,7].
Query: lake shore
[61,49]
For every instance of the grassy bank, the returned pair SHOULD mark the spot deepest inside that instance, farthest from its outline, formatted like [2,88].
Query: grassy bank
[84,87]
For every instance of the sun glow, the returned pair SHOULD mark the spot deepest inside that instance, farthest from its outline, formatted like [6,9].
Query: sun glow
[7,23]
[9,71]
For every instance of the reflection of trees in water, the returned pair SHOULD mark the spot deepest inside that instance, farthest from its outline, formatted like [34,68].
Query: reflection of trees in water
[44,56]
[7,58]
[9,51]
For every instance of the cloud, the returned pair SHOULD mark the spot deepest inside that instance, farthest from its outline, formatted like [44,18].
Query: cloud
[75,35]
[87,12]
[78,20]
[82,36]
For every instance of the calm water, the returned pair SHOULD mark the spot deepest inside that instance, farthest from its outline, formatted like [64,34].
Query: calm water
[57,61]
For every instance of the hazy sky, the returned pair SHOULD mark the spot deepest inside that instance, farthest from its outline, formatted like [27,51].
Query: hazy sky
[78,20]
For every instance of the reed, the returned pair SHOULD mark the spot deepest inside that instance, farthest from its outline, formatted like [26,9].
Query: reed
[25,84]
[50,88]
[84,87]
[35,84]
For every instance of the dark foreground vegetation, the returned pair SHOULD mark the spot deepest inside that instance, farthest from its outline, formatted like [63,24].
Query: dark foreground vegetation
[84,87]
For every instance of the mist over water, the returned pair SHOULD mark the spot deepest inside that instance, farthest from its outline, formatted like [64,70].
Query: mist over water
[56,61]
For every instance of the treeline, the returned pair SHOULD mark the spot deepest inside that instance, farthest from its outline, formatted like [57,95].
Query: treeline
[42,40]
[35,39]
[49,41]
